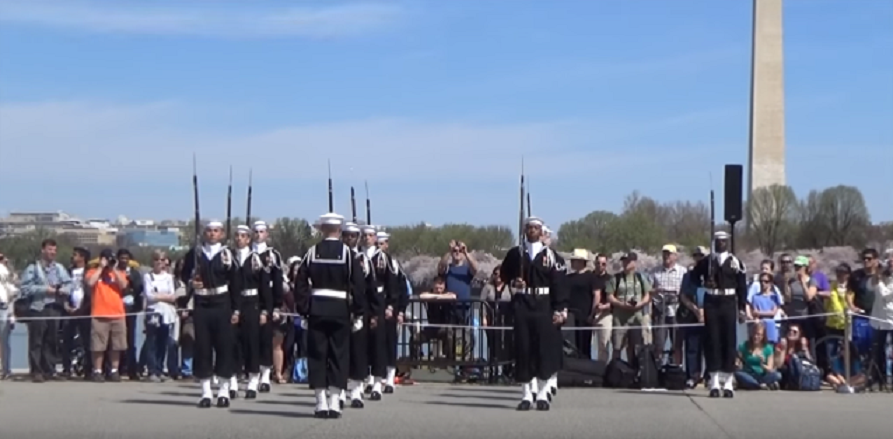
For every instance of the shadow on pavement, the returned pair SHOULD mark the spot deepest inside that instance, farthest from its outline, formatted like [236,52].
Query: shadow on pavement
[269,413]
[661,393]
[159,402]
[472,404]
[498,396]
[277,402]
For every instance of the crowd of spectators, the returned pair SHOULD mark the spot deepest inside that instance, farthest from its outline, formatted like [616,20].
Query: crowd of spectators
[82,318]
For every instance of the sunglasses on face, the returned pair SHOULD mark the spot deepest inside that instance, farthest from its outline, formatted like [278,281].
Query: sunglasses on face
[766,281]
[868,259]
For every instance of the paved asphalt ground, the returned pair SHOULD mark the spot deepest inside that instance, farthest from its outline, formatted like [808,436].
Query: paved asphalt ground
[433,411]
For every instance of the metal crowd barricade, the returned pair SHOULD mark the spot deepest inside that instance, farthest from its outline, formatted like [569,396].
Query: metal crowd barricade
[450,335]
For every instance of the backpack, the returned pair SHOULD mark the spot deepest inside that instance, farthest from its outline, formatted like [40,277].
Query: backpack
[581,372]
[299,371]
[648,371]
[620,375]
[672,377]
[803,375]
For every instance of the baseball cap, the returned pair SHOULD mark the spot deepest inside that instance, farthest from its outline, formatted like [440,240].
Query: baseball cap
[631,256]
[669,248]
[801,261]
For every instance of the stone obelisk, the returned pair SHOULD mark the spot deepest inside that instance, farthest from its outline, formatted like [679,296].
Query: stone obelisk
[766,161]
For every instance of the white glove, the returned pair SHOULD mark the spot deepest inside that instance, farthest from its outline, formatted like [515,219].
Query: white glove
[734,264]
[128,300]
[304,323]
[357,324]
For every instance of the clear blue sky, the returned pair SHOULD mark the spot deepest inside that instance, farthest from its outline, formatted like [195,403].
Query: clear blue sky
[102,103]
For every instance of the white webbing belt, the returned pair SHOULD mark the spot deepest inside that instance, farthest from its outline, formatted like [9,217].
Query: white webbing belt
[212,291]
[722,291]
[335,294]
[541,291]
[249,292]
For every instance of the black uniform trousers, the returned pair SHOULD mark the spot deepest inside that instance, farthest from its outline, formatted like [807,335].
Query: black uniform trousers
[720,332]
[359,352]
[213,338]
[390,335]
[266,343]
[249,337]
[535,335]
[376,340]
[328,351]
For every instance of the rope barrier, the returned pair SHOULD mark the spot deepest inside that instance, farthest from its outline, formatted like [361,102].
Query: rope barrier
[473,327]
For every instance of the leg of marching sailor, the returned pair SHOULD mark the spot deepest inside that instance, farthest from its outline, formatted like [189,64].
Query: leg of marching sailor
[238,359]
[359,364]
[391,329]
[203,355]
[317,354]
[728,338]
[249,322]
[712,343]
[377,343]
[339,362]
[547,362]
[266,355]
[223,341]
[523,342]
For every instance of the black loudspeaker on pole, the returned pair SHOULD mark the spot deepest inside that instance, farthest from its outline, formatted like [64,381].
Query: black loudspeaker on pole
[733,198]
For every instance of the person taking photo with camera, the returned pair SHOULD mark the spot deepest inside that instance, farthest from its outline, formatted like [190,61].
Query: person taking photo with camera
[107,284]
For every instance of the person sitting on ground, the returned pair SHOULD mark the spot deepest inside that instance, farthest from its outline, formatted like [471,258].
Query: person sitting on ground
[757,361]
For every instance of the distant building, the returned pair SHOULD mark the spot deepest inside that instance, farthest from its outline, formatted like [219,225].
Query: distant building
[165,238]
[89,236]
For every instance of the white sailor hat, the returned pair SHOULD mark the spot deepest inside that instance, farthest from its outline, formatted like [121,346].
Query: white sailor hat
[260,226]
[533,221]
[241,228]
[350,227]
[382,236]
[369,228]
[331,218]
[293,259]
[721,235]
[214,224]
[547,230]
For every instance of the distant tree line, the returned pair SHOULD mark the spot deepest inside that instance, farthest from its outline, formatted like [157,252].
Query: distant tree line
[775,220]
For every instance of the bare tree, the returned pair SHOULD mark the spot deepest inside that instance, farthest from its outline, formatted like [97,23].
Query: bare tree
[771,216]
[845,217]
[812,232]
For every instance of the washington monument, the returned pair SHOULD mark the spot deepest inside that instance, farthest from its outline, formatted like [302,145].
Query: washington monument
[766,163]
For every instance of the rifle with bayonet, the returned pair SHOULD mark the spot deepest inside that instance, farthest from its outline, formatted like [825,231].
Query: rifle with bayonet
[248,209]
[229,208]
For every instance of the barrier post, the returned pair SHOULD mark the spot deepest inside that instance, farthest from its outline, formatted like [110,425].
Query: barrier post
[847,339]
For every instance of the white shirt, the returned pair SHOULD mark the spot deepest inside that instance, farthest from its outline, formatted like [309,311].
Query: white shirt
[259,247]
[8,290]
[534,248]
[160,284]
[77,287]
[883,304]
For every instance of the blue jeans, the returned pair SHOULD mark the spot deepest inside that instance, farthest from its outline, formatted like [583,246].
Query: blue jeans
[5,346]
[694,352]
[158,340]
[750,381]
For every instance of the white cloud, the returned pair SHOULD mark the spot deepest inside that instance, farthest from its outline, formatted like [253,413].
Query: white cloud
[204,21]
[152,140]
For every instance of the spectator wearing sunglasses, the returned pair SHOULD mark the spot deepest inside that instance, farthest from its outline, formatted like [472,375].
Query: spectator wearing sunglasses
[764,306]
